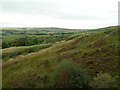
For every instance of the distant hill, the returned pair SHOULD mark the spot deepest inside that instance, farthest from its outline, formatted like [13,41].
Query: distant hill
[47,30]
[14,31]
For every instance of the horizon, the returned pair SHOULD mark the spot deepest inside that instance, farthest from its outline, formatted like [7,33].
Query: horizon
[60,27]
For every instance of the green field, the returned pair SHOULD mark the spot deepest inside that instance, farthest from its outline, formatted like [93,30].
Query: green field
[55,61]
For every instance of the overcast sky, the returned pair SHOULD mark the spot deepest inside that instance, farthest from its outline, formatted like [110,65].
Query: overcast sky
[82,14]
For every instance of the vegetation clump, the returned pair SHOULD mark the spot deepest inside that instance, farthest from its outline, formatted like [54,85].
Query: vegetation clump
[68,74]
[103,80]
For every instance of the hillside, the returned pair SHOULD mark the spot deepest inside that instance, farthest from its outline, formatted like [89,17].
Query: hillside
[96,51]
[34,31]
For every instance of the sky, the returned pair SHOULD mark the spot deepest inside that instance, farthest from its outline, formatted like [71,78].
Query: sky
[74,14]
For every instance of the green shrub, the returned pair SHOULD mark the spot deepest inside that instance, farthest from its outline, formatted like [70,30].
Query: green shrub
[103,80]
[68,74]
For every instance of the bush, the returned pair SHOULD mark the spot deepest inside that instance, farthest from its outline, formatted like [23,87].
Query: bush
[5,44]
[103,80]
[68,74]
[23,41]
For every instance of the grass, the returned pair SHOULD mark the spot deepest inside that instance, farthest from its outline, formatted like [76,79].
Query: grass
[15,51]
[11,37]
[33,70]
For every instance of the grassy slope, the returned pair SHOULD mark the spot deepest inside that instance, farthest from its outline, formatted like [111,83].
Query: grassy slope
[12,52]
[97,52]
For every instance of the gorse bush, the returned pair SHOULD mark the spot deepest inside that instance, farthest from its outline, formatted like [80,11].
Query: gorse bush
[68,74]
[103,80]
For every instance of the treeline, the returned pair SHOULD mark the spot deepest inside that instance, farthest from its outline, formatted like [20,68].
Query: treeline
[32,32]
[29,40]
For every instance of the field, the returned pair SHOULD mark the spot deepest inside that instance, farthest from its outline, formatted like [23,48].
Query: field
[31,59]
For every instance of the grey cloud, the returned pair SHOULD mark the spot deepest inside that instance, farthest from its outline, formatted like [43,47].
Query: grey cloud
[48,9]
[72,16]
[30,7]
